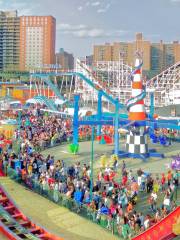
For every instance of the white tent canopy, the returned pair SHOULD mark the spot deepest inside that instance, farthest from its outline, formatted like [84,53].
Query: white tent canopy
[34,101]
[15,102]
[59,101]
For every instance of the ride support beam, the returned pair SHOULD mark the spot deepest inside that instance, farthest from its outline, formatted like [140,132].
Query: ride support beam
[76,120]
[99,113]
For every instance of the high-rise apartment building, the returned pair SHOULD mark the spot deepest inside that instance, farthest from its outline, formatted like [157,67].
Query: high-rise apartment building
[65,59]
[9,41]
[103,52]
[156,56]
[37,41]
[26,42]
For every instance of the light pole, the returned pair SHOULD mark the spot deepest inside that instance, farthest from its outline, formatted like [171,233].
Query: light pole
[19,134]
[92,160]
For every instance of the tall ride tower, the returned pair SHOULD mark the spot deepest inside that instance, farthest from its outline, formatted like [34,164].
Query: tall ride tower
[136,143]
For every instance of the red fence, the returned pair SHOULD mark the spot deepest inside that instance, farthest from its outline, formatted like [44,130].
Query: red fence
[162,230]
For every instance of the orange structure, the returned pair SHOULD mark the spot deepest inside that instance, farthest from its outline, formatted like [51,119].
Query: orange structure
[21,92]
[37,41]
[137,111]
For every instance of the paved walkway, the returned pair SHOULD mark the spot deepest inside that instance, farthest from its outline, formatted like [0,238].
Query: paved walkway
[57,220]
[60,220]
[153,165]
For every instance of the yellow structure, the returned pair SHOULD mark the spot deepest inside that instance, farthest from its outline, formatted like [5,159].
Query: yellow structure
[14,90]
[104,161]
[176,227]
[7,130]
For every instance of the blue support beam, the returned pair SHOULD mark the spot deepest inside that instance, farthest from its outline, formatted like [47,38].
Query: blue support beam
[125,123]
[75,120]
[99,112]
[151,105]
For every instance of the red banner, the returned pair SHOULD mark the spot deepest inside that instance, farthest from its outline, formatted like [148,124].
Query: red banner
[161,230]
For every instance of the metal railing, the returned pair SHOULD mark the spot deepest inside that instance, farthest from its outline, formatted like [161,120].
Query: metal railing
[54,195]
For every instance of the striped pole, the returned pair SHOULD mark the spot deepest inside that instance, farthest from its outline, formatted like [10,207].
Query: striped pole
[137,112]
[136,142]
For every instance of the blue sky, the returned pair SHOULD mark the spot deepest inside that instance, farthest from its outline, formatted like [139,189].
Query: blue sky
[83,23]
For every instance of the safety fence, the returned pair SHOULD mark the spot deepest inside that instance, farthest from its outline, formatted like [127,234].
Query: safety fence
[105,221]
[167,228]
[112,224]
[50,143]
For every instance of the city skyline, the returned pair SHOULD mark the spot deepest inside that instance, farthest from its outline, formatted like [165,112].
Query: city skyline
[84,23]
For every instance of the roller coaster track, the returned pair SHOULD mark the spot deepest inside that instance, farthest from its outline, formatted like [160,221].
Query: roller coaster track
[48,102]
[44,76]
[98,82]
[169,71]
[15,225]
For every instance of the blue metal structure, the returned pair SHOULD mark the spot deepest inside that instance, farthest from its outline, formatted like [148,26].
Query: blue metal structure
[118,122]
[44,77]
[151,105]
[99,112]
[46,101]
[103,119]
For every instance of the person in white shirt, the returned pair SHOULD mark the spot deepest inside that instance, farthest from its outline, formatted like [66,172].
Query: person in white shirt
[146,223]
[166,202]
[139,181]
[108,170]
[154,195]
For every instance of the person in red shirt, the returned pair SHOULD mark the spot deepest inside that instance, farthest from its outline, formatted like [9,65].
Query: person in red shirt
[124,180]
[163,181]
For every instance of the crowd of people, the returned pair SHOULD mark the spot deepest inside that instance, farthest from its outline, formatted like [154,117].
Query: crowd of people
[39,130]
[116,190]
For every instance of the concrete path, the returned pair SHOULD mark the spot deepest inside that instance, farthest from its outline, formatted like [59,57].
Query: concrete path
[153,165]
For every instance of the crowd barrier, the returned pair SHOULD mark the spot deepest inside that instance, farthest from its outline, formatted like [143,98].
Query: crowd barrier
[62,200]
[83,210]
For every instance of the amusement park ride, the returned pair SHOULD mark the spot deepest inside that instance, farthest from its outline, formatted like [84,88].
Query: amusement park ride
[138,123]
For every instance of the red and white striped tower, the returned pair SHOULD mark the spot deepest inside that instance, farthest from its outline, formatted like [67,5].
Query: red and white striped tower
[136,143]
[137,112]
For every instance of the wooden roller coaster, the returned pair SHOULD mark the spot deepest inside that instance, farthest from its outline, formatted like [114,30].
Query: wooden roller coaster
[16,226]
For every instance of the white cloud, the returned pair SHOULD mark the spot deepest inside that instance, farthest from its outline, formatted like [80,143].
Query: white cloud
[93,33]
[103,10]
[84,31]
[69,27]
[80,8]
[175,1]
[95,4]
